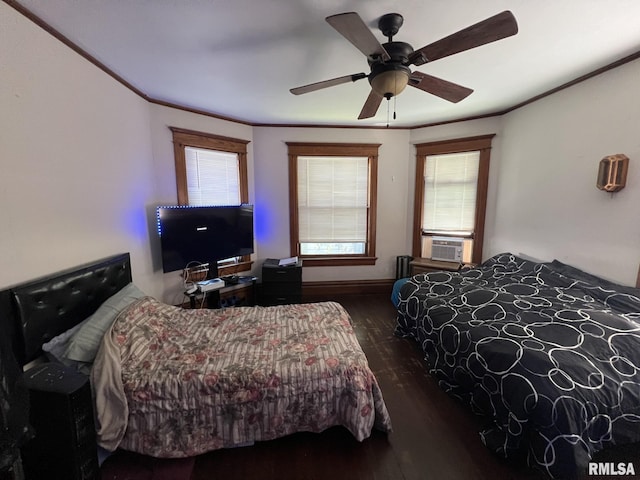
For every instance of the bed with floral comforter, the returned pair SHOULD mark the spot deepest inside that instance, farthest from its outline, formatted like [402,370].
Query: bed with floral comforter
[170,382]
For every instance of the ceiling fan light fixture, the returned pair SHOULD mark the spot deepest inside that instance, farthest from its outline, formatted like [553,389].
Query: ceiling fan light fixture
[390,81]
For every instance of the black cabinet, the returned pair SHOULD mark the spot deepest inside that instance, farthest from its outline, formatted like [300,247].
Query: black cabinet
[281,285]
[61,413]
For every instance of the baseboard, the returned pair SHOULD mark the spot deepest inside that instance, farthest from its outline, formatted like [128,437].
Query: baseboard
[346,287]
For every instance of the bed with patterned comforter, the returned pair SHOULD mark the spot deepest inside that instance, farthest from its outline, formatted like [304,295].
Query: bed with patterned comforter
[550,355]
[170,382]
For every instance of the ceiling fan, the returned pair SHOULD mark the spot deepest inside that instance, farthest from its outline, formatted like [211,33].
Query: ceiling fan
[389,62]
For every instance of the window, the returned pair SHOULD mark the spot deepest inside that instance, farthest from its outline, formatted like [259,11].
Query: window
[213,177]
[450,182]
[451,194]
[333,202]
[211,170]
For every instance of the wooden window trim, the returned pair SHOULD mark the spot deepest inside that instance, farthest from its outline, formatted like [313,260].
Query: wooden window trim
[189,138]
[480,143]
[369,150]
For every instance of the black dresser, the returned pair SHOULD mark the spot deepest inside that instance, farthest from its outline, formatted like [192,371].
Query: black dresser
[61,413]
[281,285]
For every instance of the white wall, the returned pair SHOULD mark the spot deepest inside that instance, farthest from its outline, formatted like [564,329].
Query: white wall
[272,196]
[75,156]
[547,204]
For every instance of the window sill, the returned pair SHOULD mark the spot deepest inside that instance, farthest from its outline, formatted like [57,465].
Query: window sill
[341,261]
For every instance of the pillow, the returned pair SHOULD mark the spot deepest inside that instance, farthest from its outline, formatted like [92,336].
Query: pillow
[55,348]
[86,341]
[395,293]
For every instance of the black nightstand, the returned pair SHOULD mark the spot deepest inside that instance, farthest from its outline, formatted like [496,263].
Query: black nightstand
[281,285]
[61,413]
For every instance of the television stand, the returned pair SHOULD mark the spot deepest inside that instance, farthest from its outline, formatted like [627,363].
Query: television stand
[240,291]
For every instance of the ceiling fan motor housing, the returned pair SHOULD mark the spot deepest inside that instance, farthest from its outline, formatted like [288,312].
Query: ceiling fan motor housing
[398,51]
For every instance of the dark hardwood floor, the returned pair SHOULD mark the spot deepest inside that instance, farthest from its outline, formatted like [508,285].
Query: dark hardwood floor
[434,436]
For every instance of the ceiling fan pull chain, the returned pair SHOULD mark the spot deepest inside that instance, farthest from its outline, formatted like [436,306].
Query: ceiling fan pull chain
[395,100]
[395,97]
[387,113]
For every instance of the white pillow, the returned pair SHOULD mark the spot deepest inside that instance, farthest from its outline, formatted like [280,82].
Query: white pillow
[84,344]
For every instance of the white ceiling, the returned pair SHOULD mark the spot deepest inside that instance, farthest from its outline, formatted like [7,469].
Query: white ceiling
[239,58]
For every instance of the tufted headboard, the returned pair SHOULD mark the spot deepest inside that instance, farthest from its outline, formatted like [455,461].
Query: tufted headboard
[34,312]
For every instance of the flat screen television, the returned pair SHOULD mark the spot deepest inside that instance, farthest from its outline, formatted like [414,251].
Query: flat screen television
[203,234]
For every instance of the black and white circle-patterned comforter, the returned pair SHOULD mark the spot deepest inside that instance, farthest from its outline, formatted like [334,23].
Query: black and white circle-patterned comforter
[549,353]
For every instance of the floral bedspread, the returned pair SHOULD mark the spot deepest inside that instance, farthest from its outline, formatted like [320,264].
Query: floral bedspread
[171,382]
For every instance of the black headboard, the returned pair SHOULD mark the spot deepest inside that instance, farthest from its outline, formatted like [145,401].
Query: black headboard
[34,312]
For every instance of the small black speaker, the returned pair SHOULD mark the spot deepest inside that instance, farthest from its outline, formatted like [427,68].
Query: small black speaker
[61,413]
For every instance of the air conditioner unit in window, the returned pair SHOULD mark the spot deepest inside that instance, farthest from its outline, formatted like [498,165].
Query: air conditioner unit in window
[447,249]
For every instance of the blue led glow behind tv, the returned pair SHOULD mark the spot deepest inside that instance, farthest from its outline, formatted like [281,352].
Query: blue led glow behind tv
[203,234]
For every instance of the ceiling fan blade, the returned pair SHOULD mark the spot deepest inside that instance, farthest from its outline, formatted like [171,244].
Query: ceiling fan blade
[494,28]
[353,28]
[312,87]
[439,87]
[371,106]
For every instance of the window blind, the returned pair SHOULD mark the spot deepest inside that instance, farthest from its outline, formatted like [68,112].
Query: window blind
[213,177]
[450,185]
[332,199]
